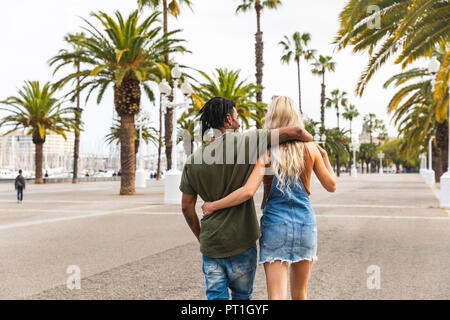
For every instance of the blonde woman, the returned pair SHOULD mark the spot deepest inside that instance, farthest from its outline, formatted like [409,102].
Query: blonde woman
[288,224]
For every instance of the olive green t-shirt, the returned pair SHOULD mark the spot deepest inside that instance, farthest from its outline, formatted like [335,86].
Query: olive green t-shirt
[214,171]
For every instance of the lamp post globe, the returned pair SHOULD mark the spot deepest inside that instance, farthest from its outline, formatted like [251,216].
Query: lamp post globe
[434,66]
[176,72]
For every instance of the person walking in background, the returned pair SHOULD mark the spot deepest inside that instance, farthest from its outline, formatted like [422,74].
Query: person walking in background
[288,225]
[20,186]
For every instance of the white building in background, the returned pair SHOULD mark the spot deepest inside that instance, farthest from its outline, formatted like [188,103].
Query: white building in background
[17,151]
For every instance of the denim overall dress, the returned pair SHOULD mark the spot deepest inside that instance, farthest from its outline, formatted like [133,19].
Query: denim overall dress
[288,225]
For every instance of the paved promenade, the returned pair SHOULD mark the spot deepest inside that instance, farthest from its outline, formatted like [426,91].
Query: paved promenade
[138,248]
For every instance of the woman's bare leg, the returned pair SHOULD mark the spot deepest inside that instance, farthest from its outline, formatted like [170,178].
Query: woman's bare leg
[276,279]
[300,272]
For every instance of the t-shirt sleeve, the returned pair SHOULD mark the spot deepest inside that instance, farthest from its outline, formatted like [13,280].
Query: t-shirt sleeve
[185,185]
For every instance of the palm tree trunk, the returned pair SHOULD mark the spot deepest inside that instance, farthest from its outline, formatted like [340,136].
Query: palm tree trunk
[76,147]
[127,99]
[442,145]
[127,154]
[322,103]
[39,159]
[436,164]
[168,127]
[299,87]
[168,116]
[351,135]
[337,115]
[259,48]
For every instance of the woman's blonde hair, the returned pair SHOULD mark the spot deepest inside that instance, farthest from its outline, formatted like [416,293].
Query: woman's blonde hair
[288,158]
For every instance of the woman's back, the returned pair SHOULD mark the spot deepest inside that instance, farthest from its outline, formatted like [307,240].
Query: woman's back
[290,201]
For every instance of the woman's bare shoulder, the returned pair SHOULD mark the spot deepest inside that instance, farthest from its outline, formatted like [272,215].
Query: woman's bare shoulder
[312,149]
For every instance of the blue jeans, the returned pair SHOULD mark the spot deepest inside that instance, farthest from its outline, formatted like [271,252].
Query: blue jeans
[19,194]
[236,272]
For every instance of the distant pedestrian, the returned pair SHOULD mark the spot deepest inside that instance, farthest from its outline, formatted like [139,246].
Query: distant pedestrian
[20,186]
[46,174]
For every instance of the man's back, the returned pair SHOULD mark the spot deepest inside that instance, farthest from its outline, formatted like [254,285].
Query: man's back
[213,172]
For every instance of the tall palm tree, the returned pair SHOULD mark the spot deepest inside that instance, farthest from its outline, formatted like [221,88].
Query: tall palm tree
[126,55]
[337,100]
[259,6]
[350,113]
[227,84]
[407,29]
[75,57]
[320,67]
[297,49]
[36,110]
[372,125]
[172,7]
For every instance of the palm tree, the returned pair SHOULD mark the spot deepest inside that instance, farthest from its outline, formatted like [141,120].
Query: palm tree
[259,6]
[372,125]
[297,49]
[126,55]
[37,110]
[337,99]
[149,134]
[227,84]
[75,56]
[412,109]
[320,66]
[407,30]
[186,131]
[367,153]
[350,113]
[174,8]
[337,144]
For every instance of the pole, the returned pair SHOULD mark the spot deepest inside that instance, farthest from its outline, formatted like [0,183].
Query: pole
[174,129]
[13,155]
[140,146]
[430,150]
[430,177]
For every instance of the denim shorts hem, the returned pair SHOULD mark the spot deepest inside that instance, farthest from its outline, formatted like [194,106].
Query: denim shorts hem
[273,259]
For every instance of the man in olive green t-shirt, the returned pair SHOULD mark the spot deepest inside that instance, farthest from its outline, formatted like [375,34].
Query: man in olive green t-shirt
[228,236]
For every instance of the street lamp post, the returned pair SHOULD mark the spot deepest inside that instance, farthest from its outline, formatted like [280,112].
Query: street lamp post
[172,194]
[430,177]
[354,146]
[381,157]
[423,164]
[141,122]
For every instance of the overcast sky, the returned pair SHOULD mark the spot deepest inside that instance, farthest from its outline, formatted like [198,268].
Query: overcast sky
[33,32]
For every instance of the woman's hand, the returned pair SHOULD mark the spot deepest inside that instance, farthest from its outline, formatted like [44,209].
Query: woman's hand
[322,151]
[207,208]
